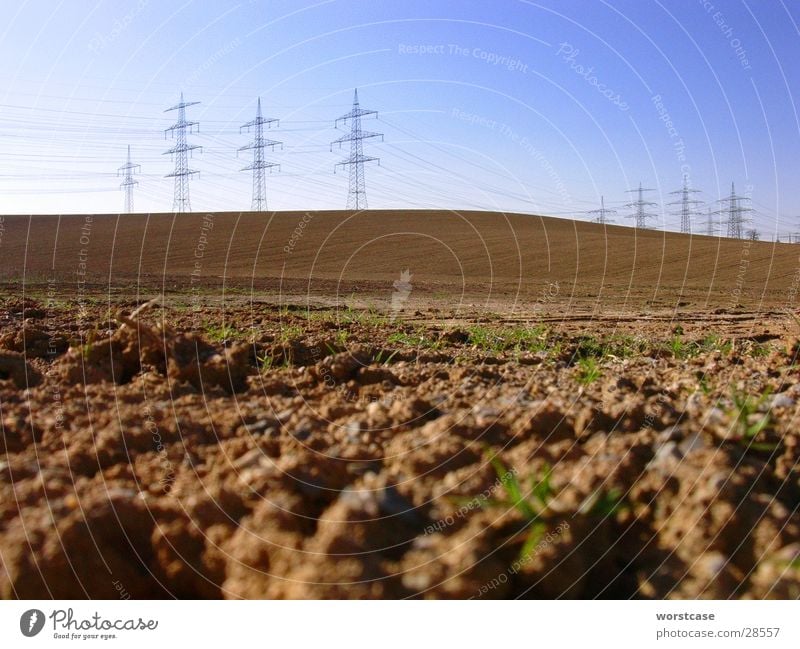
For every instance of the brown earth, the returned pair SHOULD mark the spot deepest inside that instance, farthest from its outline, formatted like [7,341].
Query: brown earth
[491,259]
[364,434]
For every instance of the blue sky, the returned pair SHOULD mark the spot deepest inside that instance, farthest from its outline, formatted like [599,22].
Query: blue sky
[536,107]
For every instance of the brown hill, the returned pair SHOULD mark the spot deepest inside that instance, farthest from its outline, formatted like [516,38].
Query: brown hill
[476,253]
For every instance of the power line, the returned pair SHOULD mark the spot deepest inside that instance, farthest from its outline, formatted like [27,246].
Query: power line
[711,224]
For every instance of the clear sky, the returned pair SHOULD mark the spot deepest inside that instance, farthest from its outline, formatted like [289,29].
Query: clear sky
[536,107]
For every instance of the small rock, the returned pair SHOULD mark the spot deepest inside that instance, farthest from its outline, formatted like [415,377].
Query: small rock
[260,427]
[782,401]
[301,434]
[715,416]
[694,442]
[249,459]
[352,427]
[671,434]
[667,456]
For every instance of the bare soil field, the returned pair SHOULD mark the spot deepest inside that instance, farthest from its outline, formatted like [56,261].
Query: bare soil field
[485,259]
[536,409]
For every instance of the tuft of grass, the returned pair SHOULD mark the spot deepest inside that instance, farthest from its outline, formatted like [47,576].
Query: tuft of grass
[588,370]
[269,362]
[758,350]
[589,347]
[624,346]
[485,339]
[532,506]
[749,421]
[219,333]
[374,318]
[527,339]
[369,317]
[714,343]
[383,357]
[289,333]
[86,347]
[677,347]
[265,363]
[419,338]
[605,503]
[517,339]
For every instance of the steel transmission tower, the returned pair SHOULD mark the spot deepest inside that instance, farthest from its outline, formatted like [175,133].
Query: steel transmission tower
[732,206]
[640,206]
[126,171]
[602,212]
[688,208]
[259,165]
[356,195]
[180,153]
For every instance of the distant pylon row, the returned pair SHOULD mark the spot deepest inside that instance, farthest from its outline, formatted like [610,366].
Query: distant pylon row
[733,207]
[356,196]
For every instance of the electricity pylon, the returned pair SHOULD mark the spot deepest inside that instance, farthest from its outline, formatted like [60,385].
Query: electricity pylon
[356,195]
[688,208]
[639,207]
[601,213]
[180,152]
[259,143]
[732,206]
[126,171]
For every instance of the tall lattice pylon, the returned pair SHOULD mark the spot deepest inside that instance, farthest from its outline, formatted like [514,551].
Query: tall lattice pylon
[260,165]
[601,215]
[180,153]
[126,171]
[640,206]
[356,195]
[688,206]
[733,207]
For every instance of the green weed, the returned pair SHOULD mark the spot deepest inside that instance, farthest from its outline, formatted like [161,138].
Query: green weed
[383,357]
[219,333]
[531,506]
[518,339]
[748,420]
[677,347]
[604,503]
[419,338]
[588,370]
[714,343]
[289,333]
[485,339]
